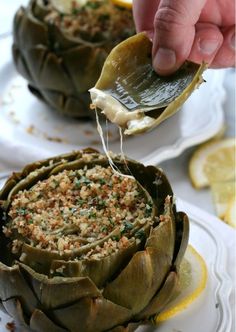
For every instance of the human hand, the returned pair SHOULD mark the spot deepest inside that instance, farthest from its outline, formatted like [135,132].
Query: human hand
[195,30]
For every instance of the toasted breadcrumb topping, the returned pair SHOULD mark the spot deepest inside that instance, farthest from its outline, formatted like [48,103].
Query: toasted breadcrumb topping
[95,21]
[78,207]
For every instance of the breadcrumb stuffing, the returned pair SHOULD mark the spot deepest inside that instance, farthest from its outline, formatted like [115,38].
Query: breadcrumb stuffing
[95,21]
[78,207]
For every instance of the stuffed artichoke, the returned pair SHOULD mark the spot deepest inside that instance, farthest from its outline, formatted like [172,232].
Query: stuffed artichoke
[84,248]
[61,53]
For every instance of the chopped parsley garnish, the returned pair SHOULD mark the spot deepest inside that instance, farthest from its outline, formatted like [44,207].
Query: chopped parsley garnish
[22,211]
[102,181]
[115,238]
[93,5]
[148,210]
[140,234]
[83,180]
[126,227]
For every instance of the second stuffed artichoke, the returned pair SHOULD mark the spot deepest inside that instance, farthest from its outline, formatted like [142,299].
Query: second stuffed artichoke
[61,54]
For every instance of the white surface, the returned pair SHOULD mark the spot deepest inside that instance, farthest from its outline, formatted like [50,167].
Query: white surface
[213,311]
[8,9]
[201,118]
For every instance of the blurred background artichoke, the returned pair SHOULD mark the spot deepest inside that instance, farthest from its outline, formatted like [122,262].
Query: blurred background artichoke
[60,47]
[84,249]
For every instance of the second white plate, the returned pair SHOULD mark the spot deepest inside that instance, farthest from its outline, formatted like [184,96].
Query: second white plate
[29,130]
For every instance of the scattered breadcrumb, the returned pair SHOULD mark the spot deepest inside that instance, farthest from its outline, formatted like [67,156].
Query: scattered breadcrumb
[10,326]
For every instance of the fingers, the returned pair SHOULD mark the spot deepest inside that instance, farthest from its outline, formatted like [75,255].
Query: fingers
[207,42]
[144,12]
[213,46]
[225,56]
[174,32]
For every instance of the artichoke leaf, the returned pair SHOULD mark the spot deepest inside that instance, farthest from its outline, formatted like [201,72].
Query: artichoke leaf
[100,271]
[40,259]
[21,64]
[13,285]
[141,278]
[93,314]
[59,291]
[35,30]
[88,69]
[132,95]
[39,322]
[41,63]
[153,180]
[182,232]
[40,10]
[163,235]
[162,297]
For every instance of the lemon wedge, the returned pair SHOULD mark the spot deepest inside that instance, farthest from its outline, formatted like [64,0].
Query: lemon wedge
[213,162]
[223,193]
[192,282]
[230,215]
[123,3]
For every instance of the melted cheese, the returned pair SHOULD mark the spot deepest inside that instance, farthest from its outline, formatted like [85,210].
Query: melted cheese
[107,153]
[134,121]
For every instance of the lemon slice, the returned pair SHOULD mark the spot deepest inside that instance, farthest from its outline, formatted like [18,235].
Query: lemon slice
[192,282]
[65,6]
[230,215]
[223,193]
[213,162]
[123,3]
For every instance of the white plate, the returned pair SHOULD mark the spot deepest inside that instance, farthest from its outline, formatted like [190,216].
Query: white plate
[29,130]
[213,310]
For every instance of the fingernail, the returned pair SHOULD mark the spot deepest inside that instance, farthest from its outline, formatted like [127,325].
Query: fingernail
[208,46]
[233,41]
[164,59]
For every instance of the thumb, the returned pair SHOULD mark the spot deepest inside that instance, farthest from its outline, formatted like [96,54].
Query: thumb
[174,32]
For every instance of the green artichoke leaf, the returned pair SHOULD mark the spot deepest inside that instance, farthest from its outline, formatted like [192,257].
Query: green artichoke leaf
[132,95]
[90,313]
[163,235]
[139,280]
[41,63]
[162,297]
[100,271]
[84,68]
[153,180]
[13,285]
[59,291]
[39,9]
[181,243]
[29,25]
[39,322]
[40,259]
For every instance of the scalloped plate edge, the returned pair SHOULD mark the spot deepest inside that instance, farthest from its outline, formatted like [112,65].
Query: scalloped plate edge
[206,221]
